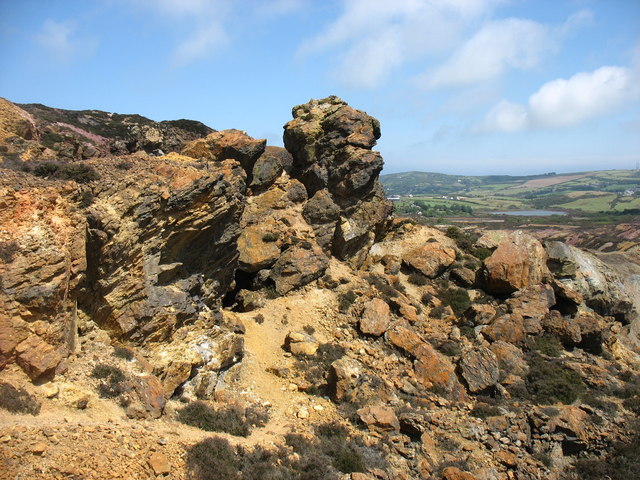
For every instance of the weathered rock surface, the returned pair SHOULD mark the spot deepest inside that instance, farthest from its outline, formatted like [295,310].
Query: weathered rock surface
[375,318]
[592,278]
[300,343]
[518,261]
[161,245]
[479,367]
[227,144]
[430,259]
[331,147]
[298,266]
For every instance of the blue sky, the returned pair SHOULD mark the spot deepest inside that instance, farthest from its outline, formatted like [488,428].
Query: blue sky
[459,86]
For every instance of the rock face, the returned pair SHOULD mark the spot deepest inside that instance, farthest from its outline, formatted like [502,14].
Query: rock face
[480,369]
[586,274]
[518,261]
[331,147]
[42,262]
[161,245]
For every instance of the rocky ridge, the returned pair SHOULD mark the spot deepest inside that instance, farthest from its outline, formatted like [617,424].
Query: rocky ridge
[261,279]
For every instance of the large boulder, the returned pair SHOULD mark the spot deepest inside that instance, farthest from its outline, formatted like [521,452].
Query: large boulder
[597,282]
[331,147]
[518,261]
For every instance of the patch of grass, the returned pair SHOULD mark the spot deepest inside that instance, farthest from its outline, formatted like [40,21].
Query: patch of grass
[457,298]
[483,410]
[18,400]
[632,404]
[232,419]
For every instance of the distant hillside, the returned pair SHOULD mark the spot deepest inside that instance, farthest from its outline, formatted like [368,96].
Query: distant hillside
[423,183]
[606,191]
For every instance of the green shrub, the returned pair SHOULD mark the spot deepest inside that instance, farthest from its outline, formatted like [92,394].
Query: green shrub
[232,420]
[551,381]
[457,298]
[426,298]
[632,404]
[547,344]
[212,459]
[18,400]
[481,253]
[316,368]
[309,330]
[417,279]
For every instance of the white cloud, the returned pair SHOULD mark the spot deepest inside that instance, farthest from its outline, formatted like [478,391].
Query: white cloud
[506,117]
[62,43]
[498,46]
[376,37]
[565,103]
[202,43]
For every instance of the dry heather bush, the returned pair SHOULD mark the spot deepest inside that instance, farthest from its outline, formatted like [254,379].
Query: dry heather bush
[17,400]
[232,419]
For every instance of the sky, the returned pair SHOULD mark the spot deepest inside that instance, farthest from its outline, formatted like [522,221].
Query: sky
[460,86]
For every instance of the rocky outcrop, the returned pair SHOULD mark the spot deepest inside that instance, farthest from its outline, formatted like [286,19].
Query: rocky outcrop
[518,261]
[42,263]
[161,245]
[331,147]
[586,274]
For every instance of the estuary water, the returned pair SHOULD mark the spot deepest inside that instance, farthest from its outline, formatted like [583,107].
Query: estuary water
[530,213]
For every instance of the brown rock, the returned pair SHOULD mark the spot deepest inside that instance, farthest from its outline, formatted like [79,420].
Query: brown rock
[39,448]
[227,144]
[299,343]
[159,463]
[508,328]
[510,359]
[519,261]
[375,317]
[344,378]
[37,358]
[533,304]
[379,416]
[480,314]
[434,370]
[454,473]
[403,336]
[479,368]
[430,259]
[255,252]
[298,266]
[567,330]
[150,394]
